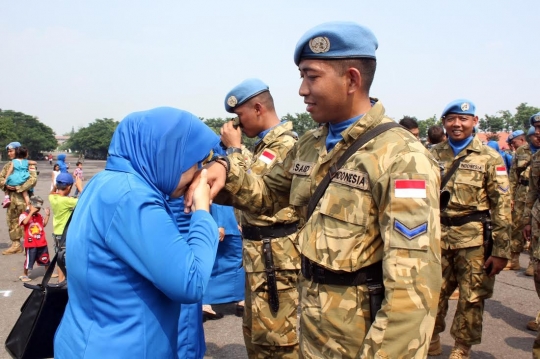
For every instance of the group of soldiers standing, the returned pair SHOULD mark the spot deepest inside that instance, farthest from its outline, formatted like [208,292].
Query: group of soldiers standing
[358,224]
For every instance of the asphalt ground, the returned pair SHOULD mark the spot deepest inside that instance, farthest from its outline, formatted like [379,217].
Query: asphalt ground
[505,335]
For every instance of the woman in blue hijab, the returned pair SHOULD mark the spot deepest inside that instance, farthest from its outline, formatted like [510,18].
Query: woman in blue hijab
[129,268]
[61,161]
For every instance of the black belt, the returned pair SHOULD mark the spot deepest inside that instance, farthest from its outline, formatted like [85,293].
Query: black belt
[461,220]
[524,182]
[367,275]
[255,233]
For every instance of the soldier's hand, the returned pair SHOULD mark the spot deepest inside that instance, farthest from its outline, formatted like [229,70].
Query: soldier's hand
[201,194]
[230,136]
[527,232]
[11,188]
[497,264]
[215,178]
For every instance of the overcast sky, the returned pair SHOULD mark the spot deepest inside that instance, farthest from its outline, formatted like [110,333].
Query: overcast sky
[70,62]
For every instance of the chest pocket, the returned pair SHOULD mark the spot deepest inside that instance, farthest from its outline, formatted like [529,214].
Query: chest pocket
[345,204]
[300,191]
[467,187]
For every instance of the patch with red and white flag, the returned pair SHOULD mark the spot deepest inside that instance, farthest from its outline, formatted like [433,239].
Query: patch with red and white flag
[501,171]
[410,188]
[267,157]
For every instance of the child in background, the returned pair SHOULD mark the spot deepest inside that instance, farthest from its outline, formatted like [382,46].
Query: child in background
[78,177]
[35,243]
[18,173]
[62,206]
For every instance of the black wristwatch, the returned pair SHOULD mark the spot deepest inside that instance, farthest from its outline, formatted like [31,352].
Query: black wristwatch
[232,150]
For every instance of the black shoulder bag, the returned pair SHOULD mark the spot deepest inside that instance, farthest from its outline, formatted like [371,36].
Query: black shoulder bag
[32,336]
[444,195]
[376,289]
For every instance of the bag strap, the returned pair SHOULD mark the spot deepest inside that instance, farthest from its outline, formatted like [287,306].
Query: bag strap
[357,144]
[451,172]
[52,265]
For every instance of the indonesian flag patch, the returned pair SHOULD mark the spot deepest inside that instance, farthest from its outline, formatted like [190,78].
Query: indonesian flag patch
[410,188]
[267,157]
[501,171]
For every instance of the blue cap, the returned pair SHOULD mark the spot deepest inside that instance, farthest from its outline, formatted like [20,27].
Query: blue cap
[64,178]
[531,131]
[13,145]
[534,118]
[246,90]
[514,135]
[336,40]
[460,106]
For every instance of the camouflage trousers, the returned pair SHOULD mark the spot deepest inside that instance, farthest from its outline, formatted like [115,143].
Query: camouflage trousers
[463,268]
[534,248]
[14,210]
[270,335]
[517,241]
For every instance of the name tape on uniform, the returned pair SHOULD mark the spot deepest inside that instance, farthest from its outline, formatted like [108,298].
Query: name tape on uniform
[501,171]
[352,178]
[302,168]
[472,167]
[267,157]
[410,188]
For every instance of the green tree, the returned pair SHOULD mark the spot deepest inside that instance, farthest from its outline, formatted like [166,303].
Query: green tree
[302,122]
[94,140]
[493,124]
[28,130]
[424,125]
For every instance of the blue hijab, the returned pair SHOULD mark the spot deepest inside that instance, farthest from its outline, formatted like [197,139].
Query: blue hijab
[61,163]
[160,145]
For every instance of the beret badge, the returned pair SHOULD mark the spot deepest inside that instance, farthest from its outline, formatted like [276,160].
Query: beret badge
[465,106]
[536,118]
[319,44]
[232,101]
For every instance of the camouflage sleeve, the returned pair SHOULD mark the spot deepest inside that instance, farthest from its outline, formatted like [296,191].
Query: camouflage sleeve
[532,194]
[411,231]
[238,158]
[260,194]
[513,176]
[498,194]
[31,182]
[3,174]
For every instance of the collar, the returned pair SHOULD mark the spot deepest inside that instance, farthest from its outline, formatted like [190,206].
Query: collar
[274,132]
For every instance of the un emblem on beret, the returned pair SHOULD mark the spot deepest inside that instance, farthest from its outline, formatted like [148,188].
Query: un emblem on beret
[232,101]
[536,118]
[319,44]
[465,106]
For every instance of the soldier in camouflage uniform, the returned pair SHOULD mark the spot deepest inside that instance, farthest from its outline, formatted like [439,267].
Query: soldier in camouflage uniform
[519,186]
[479,190]
[17,205]
[270,314]
[532,229]
[375,231]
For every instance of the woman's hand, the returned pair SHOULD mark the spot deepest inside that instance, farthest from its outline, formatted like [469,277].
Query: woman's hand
[201,195]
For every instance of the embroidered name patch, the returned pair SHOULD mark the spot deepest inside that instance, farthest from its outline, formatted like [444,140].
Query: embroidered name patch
[472,167]
[302,168]
[267,157]
[352,178]
[501,171]
[410,188]
[410,233]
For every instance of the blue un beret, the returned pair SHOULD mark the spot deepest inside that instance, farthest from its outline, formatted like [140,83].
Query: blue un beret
[13,145]
[336,40]
[534,118]
[514,135]
[460,106]
[246,90]
[531,131]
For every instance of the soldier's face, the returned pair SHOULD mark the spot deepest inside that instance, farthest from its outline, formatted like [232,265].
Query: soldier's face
[249,119]
[459,127]
[11,153]
[324,91]
[518,142]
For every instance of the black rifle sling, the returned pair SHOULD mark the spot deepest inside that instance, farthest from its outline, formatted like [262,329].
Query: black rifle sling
[360,141]
[450,173]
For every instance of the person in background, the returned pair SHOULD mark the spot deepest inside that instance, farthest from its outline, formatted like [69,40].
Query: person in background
[17,205]
[35,241]
[507,158]
[78,178]
[479,200]
[436,135]
[410,124]
[61,160]
[18,173]
[54,174]
[50,158]
[534,144]
[130,269]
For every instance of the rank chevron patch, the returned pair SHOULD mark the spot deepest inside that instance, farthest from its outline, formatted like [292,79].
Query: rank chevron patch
[410,233]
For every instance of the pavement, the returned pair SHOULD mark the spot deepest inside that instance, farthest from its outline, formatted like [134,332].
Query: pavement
[505,334]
